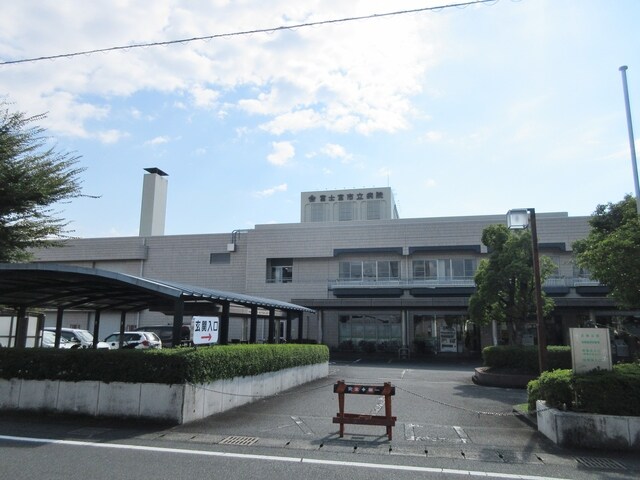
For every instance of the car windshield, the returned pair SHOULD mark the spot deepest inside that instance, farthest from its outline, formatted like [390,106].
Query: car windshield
[85,336]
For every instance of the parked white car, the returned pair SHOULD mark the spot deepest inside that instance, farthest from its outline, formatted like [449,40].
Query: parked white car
[134,340]
[49,340]
[76,337]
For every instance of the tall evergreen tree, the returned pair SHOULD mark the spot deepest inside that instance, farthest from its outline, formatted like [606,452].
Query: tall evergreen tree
[34,178]
[611,251]
[505,288]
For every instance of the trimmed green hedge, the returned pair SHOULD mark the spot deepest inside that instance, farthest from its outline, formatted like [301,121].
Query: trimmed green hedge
[168,366]
[525,359]
[602,392]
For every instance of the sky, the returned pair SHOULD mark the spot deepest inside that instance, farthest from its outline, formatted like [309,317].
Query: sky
[460,110]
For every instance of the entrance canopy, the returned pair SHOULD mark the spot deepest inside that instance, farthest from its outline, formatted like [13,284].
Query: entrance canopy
[67,287]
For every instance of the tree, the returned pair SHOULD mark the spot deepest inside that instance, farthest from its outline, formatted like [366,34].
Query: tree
[611,251]
[505,287]
[33,177]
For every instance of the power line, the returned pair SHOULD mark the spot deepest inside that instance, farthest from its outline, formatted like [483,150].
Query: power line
[250,32]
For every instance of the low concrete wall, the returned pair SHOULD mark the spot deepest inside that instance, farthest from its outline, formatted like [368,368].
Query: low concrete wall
[584,430]
[152,401]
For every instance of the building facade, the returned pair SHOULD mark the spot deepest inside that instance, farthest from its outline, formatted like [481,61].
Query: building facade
[377,283]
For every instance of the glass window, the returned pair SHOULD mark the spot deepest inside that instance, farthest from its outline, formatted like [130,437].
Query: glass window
[374,210]
[318,212]
[369,270]
[345,211]
[279,270]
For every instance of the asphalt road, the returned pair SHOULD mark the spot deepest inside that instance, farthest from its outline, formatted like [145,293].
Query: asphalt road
[447,427]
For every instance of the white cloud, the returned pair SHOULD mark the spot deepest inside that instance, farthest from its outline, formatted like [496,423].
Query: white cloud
[204,97]
[272,191]
[432,136]
[430,183]
[111,136]
[334,150]
[297,79]
[282,153]
[158,141]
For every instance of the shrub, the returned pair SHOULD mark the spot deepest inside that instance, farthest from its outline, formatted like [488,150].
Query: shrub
[600,392]
[169,366]
[525,359]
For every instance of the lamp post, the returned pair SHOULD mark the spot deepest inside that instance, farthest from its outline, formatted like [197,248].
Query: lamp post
[518,219]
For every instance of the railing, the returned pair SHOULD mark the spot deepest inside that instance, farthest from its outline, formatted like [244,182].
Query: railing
[447,282]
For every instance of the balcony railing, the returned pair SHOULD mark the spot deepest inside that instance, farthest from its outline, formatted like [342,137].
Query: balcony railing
[447,282]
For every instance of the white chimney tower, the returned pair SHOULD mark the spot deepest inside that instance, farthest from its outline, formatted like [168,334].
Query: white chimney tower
[154,202]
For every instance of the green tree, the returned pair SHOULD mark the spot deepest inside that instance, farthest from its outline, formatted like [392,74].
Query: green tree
[33,178]
[505,288]
[611,251]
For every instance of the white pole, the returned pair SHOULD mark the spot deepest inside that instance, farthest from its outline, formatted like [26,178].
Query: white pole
[632,144]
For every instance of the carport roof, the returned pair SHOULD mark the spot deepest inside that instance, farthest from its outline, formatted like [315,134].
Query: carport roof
[46,285]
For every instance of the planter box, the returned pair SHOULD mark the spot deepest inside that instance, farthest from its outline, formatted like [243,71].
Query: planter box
[585,430]
[151,401]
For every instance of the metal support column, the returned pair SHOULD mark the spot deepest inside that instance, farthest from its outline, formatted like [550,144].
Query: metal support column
[272,326]
[96,328]
[224,325]
[289,322]
[178,318]
[300,326]
[22,327]
[59,315]
[253,326]
[123,319]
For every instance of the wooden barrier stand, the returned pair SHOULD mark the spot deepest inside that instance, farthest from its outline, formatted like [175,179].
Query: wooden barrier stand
[386,420]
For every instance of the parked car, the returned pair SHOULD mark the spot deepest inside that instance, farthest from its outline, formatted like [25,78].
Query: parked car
[134,340]
[165,332]
[77,337]
[49,340]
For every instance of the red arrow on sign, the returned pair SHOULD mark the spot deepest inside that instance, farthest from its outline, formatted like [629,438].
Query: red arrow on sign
[207,337]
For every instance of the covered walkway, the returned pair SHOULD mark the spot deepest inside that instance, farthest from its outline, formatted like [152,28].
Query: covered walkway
[30,286]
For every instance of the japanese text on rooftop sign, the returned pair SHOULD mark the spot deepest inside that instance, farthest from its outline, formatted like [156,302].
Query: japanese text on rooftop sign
[205,330]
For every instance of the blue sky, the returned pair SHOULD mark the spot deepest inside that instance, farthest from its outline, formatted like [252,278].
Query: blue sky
[462,111]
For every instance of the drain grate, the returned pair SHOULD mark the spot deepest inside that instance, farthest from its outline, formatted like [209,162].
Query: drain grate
[603,463]
[238,440]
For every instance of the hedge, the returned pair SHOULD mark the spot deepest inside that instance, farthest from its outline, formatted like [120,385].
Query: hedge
[525,359]
[167,366]
[600,392]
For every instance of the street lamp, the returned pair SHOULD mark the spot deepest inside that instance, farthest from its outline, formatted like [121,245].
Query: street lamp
[519,219]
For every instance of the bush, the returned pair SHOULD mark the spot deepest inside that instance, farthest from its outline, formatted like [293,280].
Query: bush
[525,359]
[168,366]
[554,387]
[599,392]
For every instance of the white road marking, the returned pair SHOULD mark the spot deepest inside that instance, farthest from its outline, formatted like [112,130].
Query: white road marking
[462,434]
[274,458]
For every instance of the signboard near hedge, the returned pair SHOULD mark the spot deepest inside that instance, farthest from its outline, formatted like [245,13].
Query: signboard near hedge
[590,349]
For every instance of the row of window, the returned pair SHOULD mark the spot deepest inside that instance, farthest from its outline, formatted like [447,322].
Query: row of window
[346,211]
[446,268]
[281,270]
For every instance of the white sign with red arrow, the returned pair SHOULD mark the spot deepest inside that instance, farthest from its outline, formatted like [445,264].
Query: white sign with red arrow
[205,330]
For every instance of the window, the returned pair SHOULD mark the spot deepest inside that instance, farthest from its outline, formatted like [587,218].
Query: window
[374,210]
[378,330]
[345,211]
[425,269]
[370,270]
[279,270]
[220,258]
[318,212]
[446,268]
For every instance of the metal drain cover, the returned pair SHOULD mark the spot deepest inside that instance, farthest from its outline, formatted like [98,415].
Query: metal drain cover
[603,463]
[238,440]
